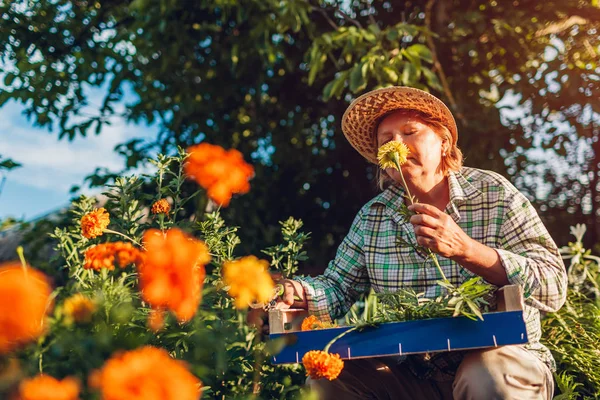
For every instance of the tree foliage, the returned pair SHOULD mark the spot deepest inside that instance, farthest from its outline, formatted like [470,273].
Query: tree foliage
[272,78]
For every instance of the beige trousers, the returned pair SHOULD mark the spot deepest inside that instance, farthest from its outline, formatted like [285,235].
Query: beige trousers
[506,372]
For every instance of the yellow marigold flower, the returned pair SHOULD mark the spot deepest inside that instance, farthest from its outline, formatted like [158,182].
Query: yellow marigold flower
[249,281]
[320,364]
[392,155]
[44,387]
[79,308]
[94,223]
[311,322]
[145,373]
[161,206]
[24,302]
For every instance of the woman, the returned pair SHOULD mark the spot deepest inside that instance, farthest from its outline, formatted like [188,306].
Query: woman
[474,220]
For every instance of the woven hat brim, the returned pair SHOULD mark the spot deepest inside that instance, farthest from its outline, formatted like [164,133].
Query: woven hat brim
[362,116]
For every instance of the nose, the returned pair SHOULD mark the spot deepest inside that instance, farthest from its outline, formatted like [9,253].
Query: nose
[398,137]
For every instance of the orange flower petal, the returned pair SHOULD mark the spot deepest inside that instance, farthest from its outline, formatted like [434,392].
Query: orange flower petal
[320,364]
[146,373]
[24,303]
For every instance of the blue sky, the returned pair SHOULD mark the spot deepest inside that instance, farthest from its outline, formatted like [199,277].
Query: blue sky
[51,167]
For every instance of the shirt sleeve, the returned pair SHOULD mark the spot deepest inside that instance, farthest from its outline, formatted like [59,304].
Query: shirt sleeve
[330,296]
[530,256]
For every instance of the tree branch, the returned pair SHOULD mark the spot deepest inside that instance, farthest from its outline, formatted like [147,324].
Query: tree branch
[324,14]
[438,65]
[561,26]
[347,18]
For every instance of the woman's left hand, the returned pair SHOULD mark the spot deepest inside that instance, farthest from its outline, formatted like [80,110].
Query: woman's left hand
[437,231]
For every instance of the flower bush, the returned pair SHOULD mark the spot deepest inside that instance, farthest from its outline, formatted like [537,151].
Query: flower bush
[146,297]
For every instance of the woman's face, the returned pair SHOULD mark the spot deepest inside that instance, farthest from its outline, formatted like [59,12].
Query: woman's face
[424,145]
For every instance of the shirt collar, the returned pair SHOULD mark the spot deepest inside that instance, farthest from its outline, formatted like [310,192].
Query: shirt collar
[461,188]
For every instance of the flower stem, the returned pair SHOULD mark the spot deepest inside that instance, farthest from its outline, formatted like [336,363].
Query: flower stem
[410,199]
[332,341]
[437,265]
[124,235]
[22,258]
[397,162]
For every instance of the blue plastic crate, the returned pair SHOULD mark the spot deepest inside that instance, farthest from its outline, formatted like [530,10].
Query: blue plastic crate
[411,337]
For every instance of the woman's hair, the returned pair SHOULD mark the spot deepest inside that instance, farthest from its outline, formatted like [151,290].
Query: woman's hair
[454,157]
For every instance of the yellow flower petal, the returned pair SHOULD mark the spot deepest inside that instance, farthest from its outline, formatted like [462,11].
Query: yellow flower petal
[390,153]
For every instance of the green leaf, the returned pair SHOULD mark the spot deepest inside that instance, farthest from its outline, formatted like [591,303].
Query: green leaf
[8,164]
[409,74]
[392,35]
[457,308]
[374,28]
[315,68]
[432,79]
[338,86]
[390,74]
[369,37]
[421,51]
[327,90]
[358,80]
[475,309]
[8,79]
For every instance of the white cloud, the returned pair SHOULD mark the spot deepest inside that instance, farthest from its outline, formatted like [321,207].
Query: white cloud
[57,165]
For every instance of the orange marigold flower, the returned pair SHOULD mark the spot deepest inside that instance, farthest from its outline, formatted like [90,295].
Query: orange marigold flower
[249,281]
[172,274]
[24,302]
[100,256]
[312,322]
[79,308]
[221,172]
[156,320]
[161,206]
[320,364]
[145,373]
[44,387]
[127,254]
[103,255]
[94,223]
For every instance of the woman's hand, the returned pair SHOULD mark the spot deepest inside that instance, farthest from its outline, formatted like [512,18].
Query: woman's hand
[293,296]
[437,231]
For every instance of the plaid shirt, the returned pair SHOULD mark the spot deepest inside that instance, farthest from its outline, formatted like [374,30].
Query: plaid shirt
[489,209]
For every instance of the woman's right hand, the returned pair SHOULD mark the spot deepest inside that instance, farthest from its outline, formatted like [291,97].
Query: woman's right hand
[293,295]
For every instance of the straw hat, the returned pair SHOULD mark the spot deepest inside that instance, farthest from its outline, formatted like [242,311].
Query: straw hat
[363,115]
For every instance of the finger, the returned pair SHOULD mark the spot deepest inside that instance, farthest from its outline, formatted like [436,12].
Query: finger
[422,208]
[426,242]
[288,293]
[300,303]
[424,219]
[282,306]
[276,276]
[425,231]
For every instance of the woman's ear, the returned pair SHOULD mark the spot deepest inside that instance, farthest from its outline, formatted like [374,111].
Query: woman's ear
[446,146]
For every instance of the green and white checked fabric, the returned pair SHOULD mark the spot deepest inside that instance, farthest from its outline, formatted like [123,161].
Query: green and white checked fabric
[488,208]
